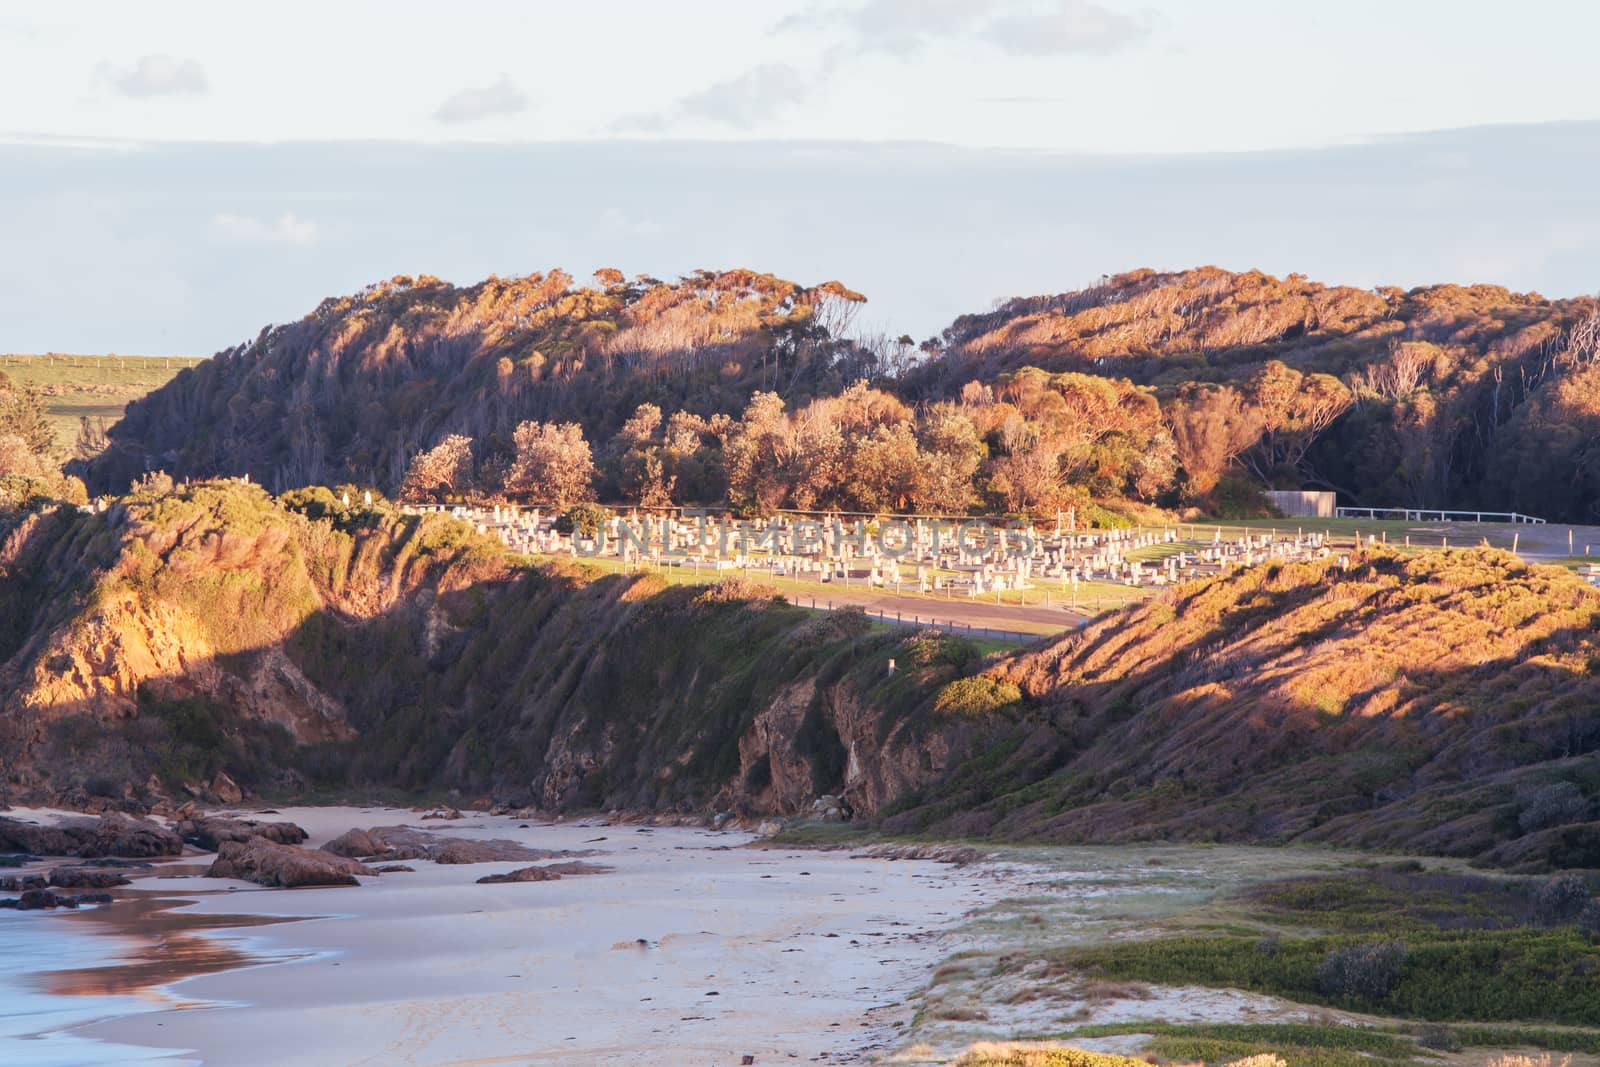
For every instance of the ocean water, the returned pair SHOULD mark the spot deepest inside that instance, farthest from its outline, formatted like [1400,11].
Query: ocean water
[35,1024]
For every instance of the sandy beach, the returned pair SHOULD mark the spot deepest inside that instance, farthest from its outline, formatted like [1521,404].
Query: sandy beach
[691,951]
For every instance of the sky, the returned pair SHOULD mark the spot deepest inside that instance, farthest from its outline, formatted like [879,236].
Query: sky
[211,168]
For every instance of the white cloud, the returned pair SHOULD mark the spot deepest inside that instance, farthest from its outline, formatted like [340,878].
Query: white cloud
[1071,27]
[758,94]
[156,75]
[1020,27]
[499,97]
[288,229]
[900,29]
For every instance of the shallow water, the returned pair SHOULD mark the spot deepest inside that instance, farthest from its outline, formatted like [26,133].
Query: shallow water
[64,970]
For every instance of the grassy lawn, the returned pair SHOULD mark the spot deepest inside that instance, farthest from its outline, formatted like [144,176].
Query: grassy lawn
[94,386]
[1090,597]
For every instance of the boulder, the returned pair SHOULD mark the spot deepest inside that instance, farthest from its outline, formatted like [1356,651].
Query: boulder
[524,874]
[356,844]
[17,883]
[393,843]
[226,789]
[550,872]
[85,878]
[284,866]
[19,836]
[42,899]
[110,835]
[123,835]
[208,832]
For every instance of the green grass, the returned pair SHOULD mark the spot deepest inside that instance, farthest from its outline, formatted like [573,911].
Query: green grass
[1298,1043]
[1091,595]
[1476,949]
[74,387]
[1343,531]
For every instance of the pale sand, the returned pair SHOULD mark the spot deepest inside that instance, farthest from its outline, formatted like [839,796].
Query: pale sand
[812,955]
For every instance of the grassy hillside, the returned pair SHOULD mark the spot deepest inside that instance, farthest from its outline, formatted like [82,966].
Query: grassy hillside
[297,644]
[1443,703]
[93,387]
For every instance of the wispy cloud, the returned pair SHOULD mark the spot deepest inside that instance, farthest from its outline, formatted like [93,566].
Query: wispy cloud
[1071,27]
[899,29]
[155,75]
[499,97]
[287,229]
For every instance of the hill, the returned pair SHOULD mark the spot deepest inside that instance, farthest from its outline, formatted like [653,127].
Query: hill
[1442,703]
[298,644]
[1193,388]
[358,387]
[1441,396]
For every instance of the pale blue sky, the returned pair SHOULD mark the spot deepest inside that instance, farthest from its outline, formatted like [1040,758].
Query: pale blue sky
[213,168]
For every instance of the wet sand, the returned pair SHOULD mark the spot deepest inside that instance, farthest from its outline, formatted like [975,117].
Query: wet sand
[691,951]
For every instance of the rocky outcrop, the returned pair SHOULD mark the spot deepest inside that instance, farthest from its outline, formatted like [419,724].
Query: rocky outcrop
[284,866]
[209,832]
[393,843]
[110,835]
[550,872]
[86,878]
[43,899]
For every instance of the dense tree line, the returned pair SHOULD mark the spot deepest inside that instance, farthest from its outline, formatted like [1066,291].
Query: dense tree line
[742,388]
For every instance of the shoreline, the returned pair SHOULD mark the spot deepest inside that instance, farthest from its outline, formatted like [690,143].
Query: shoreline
[692,948]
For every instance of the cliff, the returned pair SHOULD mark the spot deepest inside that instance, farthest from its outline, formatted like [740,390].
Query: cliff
[1443,702]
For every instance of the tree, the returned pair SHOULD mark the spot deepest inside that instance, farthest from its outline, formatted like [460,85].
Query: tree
[92,438]
[1210,427]
[1295,409]
[952,452]
[444,470]
[22,415]
[553,464]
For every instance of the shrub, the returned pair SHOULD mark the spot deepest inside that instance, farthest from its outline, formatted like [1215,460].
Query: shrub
[1589,920]
[977,697]
[1439,1037]
[1365,972]
[1239,498]
[1556,804]
[1561,899]
[584,518]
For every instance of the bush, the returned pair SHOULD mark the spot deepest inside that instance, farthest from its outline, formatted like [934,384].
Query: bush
[977,697]
[1364,972]
[585,518]
[1556,804]
[1239,498]
[1439,1037]
[1561,899]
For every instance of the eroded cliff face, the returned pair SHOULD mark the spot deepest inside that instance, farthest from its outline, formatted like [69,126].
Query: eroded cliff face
[211,629]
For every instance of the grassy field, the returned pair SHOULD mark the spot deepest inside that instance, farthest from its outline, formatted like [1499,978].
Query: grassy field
[1090,597]
[74,387]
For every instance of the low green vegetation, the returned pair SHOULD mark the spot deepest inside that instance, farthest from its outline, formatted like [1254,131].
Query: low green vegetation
[1406,943]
